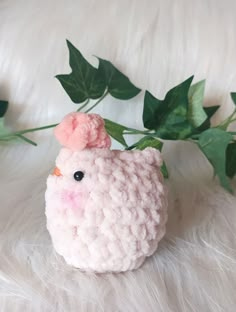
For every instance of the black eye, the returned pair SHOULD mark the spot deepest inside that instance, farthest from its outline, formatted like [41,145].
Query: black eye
[78,175]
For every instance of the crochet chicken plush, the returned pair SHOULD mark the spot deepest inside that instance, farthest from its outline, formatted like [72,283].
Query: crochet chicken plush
[106,209]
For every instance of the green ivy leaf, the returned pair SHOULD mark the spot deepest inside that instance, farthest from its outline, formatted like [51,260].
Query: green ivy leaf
[233,97]
[4,133]
[231,160]
[164,170]
[149,141]
[213,143]
[118,85]
[210,111]
[145,142]
[3,108]
[196,113]
[169,117]
[84,82]
[2,127]
[115,130]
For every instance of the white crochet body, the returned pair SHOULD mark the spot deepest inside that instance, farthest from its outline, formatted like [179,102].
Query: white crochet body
[113,218]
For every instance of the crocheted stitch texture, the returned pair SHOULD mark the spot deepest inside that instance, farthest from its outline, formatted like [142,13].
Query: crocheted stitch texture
[113,218]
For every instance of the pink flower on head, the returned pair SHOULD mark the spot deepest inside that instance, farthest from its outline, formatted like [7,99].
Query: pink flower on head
[79,130]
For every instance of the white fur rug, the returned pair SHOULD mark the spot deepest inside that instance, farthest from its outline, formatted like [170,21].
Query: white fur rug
[157,44]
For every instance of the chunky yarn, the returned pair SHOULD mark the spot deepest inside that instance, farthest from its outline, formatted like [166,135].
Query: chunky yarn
[113,216]
[79,130]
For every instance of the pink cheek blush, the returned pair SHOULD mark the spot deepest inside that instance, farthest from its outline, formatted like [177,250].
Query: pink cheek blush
[74,201]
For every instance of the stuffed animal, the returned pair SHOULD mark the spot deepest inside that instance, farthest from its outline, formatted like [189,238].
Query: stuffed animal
[106,209]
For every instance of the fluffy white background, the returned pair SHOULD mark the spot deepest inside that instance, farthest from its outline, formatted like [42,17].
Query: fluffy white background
[157,44]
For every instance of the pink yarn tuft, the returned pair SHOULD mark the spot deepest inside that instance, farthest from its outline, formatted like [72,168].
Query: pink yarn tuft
[78,131]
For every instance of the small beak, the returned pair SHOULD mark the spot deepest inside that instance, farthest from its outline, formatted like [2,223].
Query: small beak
[57,172]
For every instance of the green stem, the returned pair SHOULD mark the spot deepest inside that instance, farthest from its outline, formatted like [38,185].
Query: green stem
[134,131]
[83,106]
[3,139]
[26,139]
[95,104]
[7,137]
[19,133]
[224,125]
[195,136]
[232,120]
[36,129]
